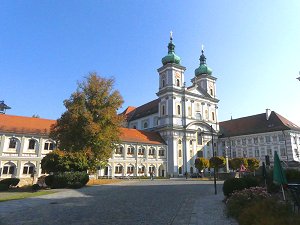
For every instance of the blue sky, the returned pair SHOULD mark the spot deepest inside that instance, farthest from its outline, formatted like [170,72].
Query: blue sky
[253,48]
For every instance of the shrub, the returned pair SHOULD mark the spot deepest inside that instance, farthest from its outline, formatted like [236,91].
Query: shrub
[239,200]
[232,184]
[292,176]
[3,187]
[268,212]
[10,182]
[35,187]
[69,180]
[49,180]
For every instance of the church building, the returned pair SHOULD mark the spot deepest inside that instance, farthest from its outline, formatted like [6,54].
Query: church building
[185,116]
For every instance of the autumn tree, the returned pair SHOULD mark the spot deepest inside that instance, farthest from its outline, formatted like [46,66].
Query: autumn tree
[217,162]
[236,163]
[90,123]
[253,164]
[201,163]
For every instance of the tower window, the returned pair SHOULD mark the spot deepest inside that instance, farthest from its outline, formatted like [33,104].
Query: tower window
[211,92]
[179,153]
[163,110]
[177,83]
[213,116]
[178,110]
[163,83]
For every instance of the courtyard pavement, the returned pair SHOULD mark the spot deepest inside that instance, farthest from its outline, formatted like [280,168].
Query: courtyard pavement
[131,202]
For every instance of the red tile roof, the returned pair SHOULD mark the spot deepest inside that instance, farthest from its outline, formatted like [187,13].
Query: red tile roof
[144,110]
[133,135]
[256,124]
[24,125]
[30,125]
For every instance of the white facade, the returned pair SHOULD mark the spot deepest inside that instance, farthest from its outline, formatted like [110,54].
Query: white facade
[137,159]
[21,154]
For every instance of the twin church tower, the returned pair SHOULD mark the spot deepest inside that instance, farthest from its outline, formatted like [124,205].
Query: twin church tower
[184,116]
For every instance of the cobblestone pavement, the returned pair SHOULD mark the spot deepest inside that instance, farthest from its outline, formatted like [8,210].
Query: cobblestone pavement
[145,202]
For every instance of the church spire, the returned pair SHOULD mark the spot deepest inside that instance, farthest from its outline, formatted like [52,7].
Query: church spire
[171,57]
[203,68]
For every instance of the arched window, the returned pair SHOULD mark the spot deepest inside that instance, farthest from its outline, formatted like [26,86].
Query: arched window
[12,143]
[191,142]
[211,92]
[31,145]
[180,170]
[28,168]
[141,169]
[189,111]
[130,169]
[145,125]
[134,127]
[179,153]
[177,83]
[130,150]
[48,145]
[213,116]
[119,150]
[141,151]
[178,110]
[199,137]
[118,169]
[151,169]
[198,116]
[179,142]
[8,168]
[151,151]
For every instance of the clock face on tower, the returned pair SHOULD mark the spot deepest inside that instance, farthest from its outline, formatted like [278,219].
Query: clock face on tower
[177,75]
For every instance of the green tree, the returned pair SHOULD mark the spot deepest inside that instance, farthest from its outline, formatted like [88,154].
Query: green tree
[236,163]
[253,164]
[59,161]
[217,162]
[90,123]
[201,163]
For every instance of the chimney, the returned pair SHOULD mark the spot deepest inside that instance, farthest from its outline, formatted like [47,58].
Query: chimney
[268,113]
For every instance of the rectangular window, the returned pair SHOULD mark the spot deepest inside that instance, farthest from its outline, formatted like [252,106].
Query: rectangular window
[250,141]
[268,139]
[261,140]
[256,152]
[274,139]
[269,151]
[239,142]
[244,141]
[255,140]
[11,170]
[281,137]
[161,152]
[282,150]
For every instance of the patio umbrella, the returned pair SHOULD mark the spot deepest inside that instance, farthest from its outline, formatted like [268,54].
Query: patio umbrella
[278,173]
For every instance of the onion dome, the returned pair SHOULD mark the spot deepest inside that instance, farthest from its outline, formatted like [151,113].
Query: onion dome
[171,57]
[203,68]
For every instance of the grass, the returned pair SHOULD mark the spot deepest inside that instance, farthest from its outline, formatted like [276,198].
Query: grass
[21,194]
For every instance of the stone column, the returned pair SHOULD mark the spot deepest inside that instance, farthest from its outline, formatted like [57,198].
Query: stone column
[2,141]
[22,146]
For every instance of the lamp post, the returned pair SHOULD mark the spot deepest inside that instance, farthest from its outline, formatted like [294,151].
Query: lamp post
[212,144]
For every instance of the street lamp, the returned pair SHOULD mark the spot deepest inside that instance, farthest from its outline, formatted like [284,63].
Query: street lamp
[212,144]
